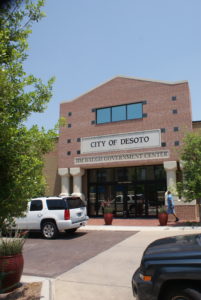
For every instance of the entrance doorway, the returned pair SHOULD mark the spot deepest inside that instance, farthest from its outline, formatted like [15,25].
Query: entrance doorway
[133,192]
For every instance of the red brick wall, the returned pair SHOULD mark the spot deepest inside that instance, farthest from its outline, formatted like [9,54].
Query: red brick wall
[121,91]
[53,180]
[186,213]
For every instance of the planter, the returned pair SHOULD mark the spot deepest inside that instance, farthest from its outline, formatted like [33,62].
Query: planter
[11,268]
[163,218]
[108,217]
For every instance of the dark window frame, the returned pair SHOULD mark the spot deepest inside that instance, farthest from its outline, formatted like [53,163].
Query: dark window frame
[176,143]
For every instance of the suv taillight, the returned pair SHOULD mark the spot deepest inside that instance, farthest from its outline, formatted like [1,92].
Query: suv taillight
[66,214]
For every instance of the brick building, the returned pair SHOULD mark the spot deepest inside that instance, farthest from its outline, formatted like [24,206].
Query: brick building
[122,142]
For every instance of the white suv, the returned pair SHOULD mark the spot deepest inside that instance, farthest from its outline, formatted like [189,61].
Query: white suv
[51,215]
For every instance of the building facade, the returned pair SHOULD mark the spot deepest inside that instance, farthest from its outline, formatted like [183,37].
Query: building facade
[121,143]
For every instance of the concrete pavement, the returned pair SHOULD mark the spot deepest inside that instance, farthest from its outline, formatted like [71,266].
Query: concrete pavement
[108,275]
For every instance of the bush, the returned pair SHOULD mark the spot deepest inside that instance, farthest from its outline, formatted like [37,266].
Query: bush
[12,245]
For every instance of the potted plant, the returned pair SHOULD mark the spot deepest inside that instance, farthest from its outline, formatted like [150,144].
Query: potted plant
[11,261]
[107,212]
[162,215]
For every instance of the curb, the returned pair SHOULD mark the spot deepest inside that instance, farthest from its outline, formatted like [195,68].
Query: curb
[139,228]
[46,289]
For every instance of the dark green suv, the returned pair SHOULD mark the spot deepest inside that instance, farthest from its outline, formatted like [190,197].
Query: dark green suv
[170,269]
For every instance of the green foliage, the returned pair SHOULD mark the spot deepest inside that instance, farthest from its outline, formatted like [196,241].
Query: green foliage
[12,245]
[21,150]
[162,210]
[190,187]
[107,207]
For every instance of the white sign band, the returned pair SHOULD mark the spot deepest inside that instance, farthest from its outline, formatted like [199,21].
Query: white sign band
[121,157]
[122,141]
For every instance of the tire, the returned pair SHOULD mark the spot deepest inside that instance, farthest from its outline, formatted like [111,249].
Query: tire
[49,230]
[70,231]
[182,293]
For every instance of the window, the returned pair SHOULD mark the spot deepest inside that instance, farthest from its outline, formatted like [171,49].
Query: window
[174,111]
[176,128]
[74,202]
[134,111]
[69,141]
[163,144]
[68,153]
[103,115]
[36,205]
[70,114]
[118,113]
[69,125]
[78,151]
[174,98]
[56,204]
[125,112]
[176,143]
[163,130]
[78,139]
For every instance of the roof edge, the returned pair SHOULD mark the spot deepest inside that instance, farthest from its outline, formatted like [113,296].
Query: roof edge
[125,77]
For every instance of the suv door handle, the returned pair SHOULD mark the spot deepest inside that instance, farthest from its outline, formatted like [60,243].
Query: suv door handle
[39,215]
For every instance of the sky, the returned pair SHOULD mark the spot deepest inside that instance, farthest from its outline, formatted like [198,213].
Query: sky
[84,43]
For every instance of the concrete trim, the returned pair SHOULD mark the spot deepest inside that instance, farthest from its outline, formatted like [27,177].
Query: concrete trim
[46,289]
[139,228]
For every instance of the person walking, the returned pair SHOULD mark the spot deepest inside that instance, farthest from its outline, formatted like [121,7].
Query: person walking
[170,203]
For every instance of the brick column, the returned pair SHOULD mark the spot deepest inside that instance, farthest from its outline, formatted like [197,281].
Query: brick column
[65,186]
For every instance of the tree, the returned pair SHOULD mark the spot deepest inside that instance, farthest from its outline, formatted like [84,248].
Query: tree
[190,187]
[21,149]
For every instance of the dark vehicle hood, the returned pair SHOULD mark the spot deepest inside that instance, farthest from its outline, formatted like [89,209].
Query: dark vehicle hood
[176,247]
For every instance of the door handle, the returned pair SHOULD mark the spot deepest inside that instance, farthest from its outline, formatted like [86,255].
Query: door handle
[39,215]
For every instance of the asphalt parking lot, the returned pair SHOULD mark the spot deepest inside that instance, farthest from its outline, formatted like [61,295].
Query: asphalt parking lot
[50,258]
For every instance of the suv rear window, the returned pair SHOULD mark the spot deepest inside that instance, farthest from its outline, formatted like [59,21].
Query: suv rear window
[74,202]
[57,204]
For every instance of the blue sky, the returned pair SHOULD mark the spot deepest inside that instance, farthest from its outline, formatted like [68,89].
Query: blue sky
[84,43]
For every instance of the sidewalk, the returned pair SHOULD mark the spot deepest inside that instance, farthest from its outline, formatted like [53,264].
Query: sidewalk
[108,275]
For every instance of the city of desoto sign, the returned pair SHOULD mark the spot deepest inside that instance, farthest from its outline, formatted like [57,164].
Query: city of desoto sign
[121,141]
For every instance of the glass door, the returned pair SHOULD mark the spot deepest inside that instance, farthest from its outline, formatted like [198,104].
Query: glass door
[136,200]
[118,200]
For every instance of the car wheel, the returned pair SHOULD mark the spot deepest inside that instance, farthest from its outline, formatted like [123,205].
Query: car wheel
[182,293]
[69,231]
[49,230]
